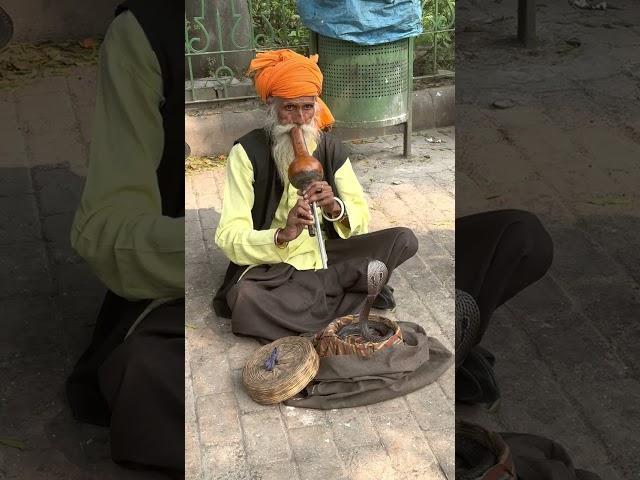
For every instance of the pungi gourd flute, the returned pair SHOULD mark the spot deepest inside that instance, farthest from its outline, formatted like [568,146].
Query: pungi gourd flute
[303,170]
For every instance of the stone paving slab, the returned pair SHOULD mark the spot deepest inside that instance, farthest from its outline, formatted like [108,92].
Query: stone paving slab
[406,438]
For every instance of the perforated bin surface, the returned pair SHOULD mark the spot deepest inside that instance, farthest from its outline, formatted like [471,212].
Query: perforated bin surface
[365,85]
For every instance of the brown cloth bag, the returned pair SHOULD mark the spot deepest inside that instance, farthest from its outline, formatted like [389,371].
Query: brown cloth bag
[351,381]
[540,458]
[485,455]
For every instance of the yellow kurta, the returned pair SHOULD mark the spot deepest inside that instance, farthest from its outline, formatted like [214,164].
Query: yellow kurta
[119,228]
[244,245]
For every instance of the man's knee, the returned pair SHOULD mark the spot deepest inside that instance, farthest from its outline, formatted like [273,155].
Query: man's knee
[407,241]
[243,293]
[535,241]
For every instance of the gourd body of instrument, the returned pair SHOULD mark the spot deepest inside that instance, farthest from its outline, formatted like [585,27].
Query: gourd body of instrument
[304,170]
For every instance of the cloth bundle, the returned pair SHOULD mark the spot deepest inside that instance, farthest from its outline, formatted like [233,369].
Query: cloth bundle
[351,380]
[485,455]
[369,22]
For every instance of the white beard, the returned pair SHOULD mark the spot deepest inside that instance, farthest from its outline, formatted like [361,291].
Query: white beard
[282,146]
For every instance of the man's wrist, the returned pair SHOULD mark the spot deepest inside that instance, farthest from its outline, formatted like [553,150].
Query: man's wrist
[278,240]
[334,209]
[338,214]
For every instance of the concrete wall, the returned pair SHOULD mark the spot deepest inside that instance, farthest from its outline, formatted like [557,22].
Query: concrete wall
[212,130]
[37,20]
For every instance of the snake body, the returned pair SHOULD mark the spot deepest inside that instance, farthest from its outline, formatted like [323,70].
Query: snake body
[377,275]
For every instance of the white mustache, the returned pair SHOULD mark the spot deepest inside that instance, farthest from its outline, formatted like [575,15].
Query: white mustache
[282,146]
[307,128]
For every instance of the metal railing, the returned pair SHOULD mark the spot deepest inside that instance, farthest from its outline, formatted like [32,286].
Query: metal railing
[222,36]
[434,53]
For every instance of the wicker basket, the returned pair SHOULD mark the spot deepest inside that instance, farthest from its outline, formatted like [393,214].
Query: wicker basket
[328,343]
[296,365]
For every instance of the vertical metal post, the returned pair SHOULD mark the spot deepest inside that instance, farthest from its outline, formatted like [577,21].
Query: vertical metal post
[408,126]
[221,45]
[436,23]
[527,22]
[313,42]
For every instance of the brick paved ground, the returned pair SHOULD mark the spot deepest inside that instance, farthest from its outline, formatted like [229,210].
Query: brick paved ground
[229,437]
[568,357]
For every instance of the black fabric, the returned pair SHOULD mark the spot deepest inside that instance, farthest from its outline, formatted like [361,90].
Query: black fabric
[385,299]
[475,379]
[345,381]
[160,20]
[83,391]
[268,190]
[142,382]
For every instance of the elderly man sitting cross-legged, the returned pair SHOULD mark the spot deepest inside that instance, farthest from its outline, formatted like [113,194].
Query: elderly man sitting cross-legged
[275,284]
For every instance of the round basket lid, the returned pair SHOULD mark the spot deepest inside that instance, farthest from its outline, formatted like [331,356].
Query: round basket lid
[280,370]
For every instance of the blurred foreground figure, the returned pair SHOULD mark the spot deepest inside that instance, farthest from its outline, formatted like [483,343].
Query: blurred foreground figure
[129,227]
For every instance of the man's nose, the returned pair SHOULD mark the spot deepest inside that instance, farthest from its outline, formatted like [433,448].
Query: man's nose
[298,117]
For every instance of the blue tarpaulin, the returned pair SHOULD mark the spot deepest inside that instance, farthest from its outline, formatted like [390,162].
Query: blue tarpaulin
[366,22]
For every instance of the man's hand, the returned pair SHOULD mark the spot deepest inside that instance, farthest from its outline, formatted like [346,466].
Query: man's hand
[321,193]
[299,217]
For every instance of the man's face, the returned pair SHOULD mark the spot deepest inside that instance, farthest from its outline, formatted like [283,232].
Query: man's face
[299,111]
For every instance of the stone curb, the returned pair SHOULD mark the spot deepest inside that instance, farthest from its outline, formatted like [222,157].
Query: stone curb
[213,129]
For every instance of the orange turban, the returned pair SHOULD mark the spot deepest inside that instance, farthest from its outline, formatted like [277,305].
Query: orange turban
[287,74]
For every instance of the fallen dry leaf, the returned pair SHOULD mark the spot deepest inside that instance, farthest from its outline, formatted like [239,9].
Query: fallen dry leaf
[88,42]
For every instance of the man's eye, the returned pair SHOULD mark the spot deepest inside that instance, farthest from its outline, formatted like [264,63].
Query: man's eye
[289,108]
[308,106]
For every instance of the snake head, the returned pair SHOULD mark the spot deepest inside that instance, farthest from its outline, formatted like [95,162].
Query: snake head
[377,275]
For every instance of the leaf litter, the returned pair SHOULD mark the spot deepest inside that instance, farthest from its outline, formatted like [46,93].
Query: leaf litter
[195,164]
[21,63]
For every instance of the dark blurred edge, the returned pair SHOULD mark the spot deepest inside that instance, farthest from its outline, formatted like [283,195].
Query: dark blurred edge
[554,129]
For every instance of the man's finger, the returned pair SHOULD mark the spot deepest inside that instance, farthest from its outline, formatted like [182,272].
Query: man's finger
[316,187]
[321,197]
[304,204]
[304,213]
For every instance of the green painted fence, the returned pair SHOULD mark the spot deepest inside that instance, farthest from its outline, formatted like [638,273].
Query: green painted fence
[222,36]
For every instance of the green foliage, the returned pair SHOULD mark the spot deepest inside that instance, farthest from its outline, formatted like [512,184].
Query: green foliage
[276,24]
[438,38]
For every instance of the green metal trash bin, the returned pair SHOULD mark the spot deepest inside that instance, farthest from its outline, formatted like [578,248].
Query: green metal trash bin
[367,86]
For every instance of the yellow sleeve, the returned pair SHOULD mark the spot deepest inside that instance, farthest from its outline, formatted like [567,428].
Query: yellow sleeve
[118,228]
[236,235]
[350,192]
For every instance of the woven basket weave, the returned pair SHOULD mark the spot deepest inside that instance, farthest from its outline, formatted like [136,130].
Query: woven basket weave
[297,365]
[328,343]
